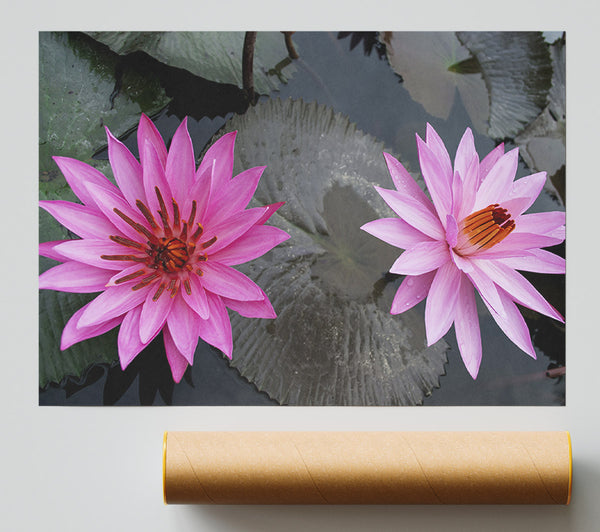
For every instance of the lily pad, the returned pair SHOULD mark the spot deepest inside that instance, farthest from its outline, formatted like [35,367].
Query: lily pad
[334,341]
[543,142]
[502,78]
[213,55]
[517,70]
[427,61]
[78,98]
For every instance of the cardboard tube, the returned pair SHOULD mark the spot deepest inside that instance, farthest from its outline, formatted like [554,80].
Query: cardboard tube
[367,467]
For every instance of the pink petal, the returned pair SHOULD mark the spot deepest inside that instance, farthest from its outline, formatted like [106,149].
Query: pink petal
[90,251]
[436,144]
[113,302]
[559,234]
[153,177]
[395,231]
[413,212]
[75,277]
[231,229]
[489,161]
[197,299]
[79,174]
[48,249]
[108,201]
[216,330]
[126,170]
[520,289]
[225,281]
[466,327]
[251,309]
[181,166]
[234,196]
[465,154]
[201,194]
[536,260]
[183,325]
[457,195]
[497,185]
[516,242]
[137,267]
[128,342]
[74,333]
[422,258]
[527,187]
[486,288]
[270,210]
[516,206]
[462,263]
[221,154]
[441,300]
[147,132]
[154,313]
[541,223]
[177,361]
[451,230]
[437,178]
[469,190]
[257,241]
[513,324]
[404,182]
[413,290]
[79,219]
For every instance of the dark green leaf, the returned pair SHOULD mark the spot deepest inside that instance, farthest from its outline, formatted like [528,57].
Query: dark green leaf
[77,99]
[212,55]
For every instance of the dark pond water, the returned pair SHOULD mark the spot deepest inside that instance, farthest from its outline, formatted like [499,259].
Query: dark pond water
[350,74]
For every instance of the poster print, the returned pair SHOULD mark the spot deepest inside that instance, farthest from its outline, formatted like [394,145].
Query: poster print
[323,218]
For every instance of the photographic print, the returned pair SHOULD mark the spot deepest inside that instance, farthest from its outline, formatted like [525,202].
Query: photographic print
[302,218]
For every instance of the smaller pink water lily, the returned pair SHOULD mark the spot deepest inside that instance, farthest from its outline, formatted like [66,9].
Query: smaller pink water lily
[161,246]
[472,234]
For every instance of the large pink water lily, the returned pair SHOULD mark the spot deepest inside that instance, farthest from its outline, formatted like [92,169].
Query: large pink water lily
[473,234]
[161,246]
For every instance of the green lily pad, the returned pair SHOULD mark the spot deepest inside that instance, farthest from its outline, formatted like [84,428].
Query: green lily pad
[434,66]
[212,55]
[334,341]
[76,99]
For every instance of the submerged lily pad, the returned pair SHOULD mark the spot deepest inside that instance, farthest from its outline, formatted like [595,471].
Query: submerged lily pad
[428,63]
[78,98]
[502,78]
[213,55]
[334,341]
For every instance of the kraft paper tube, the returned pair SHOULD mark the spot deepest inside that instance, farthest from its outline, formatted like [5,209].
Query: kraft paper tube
[367,467]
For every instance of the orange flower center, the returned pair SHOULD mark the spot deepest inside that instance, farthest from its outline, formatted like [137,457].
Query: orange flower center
[170,255]
[483,229]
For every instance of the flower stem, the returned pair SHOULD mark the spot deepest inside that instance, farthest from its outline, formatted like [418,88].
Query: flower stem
[247,61]
[290,45]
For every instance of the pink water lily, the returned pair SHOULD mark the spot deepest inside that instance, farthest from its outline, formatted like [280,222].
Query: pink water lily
[161,246]
[472,234]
